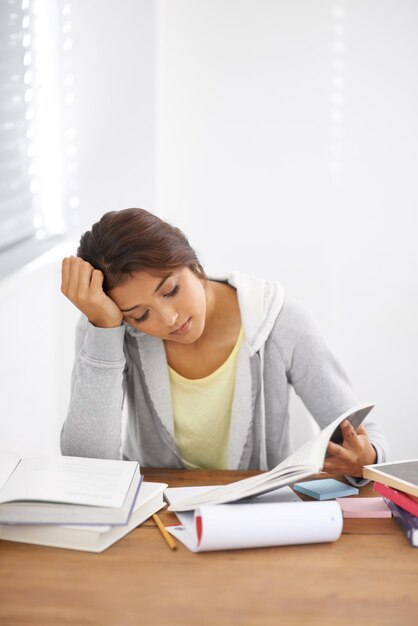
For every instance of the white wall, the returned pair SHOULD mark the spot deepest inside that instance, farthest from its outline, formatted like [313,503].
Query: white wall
[287,147]
[37,350]
[114,67]
[281,135]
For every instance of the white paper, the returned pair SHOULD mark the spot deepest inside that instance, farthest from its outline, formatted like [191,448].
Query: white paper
[72,480]
[8,463]
[186,531]
[235,526]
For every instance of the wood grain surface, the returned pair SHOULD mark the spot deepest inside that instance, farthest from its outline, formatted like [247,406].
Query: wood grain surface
[368,577]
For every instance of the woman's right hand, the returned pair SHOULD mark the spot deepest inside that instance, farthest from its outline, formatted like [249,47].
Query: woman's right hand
[83,286]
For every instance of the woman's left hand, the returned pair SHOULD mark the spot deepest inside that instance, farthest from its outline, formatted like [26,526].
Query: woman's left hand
[354,452]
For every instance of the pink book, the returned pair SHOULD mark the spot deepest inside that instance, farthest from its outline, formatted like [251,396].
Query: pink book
[405,501]
[364,507]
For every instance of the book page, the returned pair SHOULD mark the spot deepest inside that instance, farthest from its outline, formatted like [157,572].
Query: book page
[313,452]
[307,460]
[145,494]
[72,480]
[177,494]
[8,463]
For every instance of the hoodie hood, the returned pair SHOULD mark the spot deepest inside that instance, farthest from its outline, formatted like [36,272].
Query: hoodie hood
[260,302]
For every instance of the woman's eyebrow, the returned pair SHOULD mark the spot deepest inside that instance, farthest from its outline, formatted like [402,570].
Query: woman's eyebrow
[160,284]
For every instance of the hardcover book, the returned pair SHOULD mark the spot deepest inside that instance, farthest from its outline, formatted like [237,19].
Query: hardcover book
[66,490]
[407,522]
[402,475]
[405,501]
[88,537]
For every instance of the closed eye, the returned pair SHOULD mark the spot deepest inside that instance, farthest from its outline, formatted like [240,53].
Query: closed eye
[172,292]
[143,318]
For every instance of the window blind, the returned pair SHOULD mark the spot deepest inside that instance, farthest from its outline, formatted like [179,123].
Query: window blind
[16,208]
[38,188]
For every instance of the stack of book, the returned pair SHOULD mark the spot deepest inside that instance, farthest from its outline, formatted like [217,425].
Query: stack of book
[398,484]
[73,502]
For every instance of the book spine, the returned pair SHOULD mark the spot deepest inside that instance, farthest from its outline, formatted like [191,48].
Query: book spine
[407,522]
[390,481]
[399,498]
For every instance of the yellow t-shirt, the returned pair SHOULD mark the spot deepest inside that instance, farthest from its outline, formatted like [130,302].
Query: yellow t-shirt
[202,413]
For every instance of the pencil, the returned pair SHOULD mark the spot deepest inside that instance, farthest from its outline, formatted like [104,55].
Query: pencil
[169,539]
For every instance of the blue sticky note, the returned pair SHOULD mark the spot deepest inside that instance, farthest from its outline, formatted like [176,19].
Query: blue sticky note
[325,489]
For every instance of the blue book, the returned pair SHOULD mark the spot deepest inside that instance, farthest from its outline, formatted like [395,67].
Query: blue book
[407,522]
[325,489]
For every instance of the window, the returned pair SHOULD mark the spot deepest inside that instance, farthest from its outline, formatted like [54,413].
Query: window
[38,177]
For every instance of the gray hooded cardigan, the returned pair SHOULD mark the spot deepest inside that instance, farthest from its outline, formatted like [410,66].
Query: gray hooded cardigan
[282,347]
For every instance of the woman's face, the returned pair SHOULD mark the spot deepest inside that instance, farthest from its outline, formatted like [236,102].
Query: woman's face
[172,308]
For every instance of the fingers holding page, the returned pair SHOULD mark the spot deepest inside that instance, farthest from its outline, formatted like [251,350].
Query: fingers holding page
[361,430]
[354,452]
[349,433]
[339,459]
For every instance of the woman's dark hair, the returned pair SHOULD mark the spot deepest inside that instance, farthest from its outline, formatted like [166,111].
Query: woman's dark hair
[134,240]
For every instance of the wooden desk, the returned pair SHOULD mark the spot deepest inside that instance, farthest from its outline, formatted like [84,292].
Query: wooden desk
[369,577]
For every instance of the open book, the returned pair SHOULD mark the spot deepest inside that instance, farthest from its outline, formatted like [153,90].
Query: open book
[307,460]
[88,537]
[66,490]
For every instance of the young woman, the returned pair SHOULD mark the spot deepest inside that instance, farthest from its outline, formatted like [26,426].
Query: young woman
[203,365]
